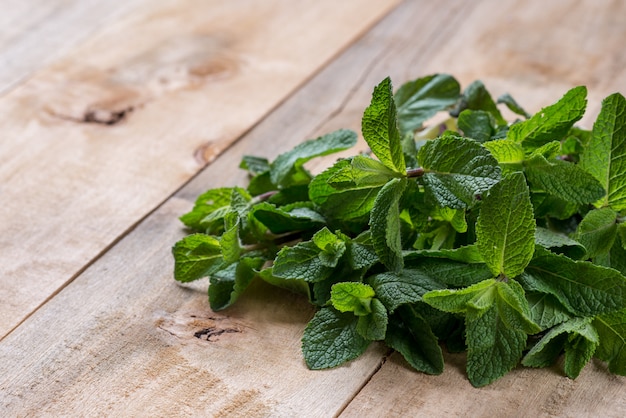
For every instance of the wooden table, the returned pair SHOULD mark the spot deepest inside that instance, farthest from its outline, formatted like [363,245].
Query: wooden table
[115,117]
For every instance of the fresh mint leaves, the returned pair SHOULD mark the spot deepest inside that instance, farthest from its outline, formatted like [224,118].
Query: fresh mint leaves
[504,239]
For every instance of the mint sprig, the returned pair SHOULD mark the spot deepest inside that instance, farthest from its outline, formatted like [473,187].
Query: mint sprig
[503,238]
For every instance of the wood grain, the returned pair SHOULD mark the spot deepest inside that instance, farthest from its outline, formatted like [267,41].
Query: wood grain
[101,137]
[120,337]
[35,32]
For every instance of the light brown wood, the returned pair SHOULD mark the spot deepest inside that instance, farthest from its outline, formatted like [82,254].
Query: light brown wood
[100,138]
[118,340]
[35,32]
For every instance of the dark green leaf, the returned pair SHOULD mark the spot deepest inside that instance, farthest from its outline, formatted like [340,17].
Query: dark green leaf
[373,326]
[583,288]
[227,284]
[493,348]
[476,124]
[611,328]
[295,217]
[331,339]
[301,262]
[476,97]
[559,243]
[422,98]
[385,224]
[409,334]
[346,204]
[605,154]
[287,169]
[505,231]
[546,310]
[564,180]
[597,231]
[406,286]
[457,170]
[513,106]
[300,287]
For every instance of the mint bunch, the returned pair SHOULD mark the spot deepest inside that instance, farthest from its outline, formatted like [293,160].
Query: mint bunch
[503,239]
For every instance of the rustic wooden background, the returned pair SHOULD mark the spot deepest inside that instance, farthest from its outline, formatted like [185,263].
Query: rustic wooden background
[115,116]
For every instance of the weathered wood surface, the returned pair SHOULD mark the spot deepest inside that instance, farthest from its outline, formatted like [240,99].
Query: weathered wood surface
[119,339]
[34,32]
[97,140]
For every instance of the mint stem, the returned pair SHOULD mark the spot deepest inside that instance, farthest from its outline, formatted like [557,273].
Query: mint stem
[415,172]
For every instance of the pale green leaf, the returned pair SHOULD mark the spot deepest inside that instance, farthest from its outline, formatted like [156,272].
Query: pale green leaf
[552,122]
[380,128]
[352,297]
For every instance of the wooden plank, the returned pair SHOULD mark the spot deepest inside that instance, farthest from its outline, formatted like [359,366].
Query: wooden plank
[397,391]
[100,138]
[119,338]
[35,32]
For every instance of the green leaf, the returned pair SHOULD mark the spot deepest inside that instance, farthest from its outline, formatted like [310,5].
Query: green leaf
[406,286]
[478,297]
[229,241]
[552,122]
[597,231]
[331,339]
[456,170]
[380,128]
[410,334]
[287,169]
[295,217]
[513,106]
[420,99]
[563,180]
[300,287]
[352,297]
[546,310]
[466,254]
[344,204]
[476,124]
[196,256]
[505,230]
[576,336]
[254,165]
[611,328]
[385,224]
[209,210]
[302,262]
[506,151]
[583,288]
[559,243]
[331,245]
[373,326]
[605,154]
[362,172]
[361,252]
[513,307]
[476,97]
[450,272]
[227,284]
[493,348]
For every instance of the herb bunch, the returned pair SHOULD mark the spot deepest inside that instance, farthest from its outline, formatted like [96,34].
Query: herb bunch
[503,239]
